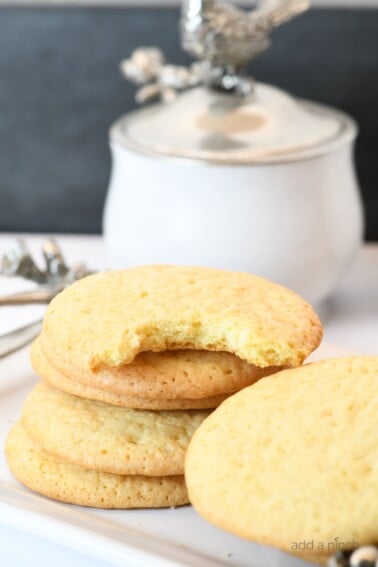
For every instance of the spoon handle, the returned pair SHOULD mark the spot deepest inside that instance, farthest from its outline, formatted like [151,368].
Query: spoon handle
[24,298]
[15,340]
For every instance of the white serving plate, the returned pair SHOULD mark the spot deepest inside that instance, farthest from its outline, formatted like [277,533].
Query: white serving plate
[153,538]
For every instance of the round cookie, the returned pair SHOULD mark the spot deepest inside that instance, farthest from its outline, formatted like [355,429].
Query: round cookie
[48,372]
[293,459]
[168,375]
[107,319]
[107,438]
[56,479]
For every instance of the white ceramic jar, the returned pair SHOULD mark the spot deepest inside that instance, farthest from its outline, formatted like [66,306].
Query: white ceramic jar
[266,186]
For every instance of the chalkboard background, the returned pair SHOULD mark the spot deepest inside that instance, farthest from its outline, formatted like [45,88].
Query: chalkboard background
[60,89]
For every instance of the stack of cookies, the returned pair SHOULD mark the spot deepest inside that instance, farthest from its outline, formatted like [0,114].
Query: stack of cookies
[133,361]
[95,454]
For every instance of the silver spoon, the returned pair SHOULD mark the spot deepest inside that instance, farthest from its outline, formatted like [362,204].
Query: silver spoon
[42,295]
[15,340]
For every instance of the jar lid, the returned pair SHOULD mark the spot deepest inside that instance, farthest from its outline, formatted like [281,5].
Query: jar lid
[271,127]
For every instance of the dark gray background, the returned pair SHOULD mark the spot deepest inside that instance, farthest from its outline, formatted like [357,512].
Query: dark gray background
[61,89]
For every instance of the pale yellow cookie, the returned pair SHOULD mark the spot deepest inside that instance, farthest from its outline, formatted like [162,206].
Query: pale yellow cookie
[168,375]
[293,459]
[108,438]
[45,369]
[43,473]
[153,376]
[107,319]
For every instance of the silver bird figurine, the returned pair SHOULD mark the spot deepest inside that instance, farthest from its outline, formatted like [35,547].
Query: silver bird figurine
[229,37]
[224,38]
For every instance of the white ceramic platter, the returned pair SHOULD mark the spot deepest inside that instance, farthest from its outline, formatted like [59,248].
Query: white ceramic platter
[132,538]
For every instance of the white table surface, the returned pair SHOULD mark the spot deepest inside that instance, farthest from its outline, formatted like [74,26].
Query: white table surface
[350,319]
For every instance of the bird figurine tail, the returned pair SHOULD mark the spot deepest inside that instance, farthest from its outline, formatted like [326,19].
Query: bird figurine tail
[280,11]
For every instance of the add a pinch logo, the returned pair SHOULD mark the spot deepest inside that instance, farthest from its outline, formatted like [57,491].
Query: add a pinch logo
[323,546]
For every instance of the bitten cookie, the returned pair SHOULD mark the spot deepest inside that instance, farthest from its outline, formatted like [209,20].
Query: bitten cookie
[292,461]
[47,475]
[107,319]
[107,438]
